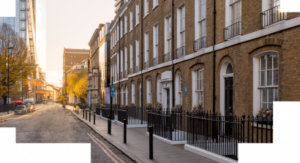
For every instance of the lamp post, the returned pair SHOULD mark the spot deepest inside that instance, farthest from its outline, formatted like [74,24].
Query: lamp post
[9,48]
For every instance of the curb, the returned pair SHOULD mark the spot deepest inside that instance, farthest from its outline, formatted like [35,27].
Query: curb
[106,137]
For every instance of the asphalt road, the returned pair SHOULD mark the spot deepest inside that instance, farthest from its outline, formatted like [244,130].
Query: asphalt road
[53,124]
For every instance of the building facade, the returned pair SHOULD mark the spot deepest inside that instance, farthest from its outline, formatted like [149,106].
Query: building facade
[99,66]
[24,25]
[238,60]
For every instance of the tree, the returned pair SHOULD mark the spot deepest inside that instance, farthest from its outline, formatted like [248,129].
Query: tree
[20,61]
[77,84]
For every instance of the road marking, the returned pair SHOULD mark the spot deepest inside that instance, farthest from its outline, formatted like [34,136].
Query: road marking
[107,153]
[119,159]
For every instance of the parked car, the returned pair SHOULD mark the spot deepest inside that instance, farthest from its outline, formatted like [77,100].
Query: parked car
[30,108]
[21,109]
[31,102]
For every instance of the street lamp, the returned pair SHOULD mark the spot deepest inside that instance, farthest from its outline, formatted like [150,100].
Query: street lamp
[9,48]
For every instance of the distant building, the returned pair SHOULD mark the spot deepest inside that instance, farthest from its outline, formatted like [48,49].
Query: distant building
[99,66]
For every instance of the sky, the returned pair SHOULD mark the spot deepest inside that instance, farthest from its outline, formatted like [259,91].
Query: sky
[69,24]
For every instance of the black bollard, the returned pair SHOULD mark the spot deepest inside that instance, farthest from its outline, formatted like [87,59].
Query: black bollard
[90,116]
[151,143]
[85,114]
[109,125]
[125,132]
[94,117]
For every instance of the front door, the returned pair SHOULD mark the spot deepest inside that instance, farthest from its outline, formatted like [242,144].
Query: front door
[229,106]
[228,96]
[168,99]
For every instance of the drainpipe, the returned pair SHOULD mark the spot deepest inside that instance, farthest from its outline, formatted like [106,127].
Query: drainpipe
[172,51]
[214,61]
[142,53]
[119,62]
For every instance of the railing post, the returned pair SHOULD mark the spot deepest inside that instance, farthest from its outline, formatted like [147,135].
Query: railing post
[82,113]
[109,125]
[89,116]
[243,124]
[125,132]
[151,143]
[85,114]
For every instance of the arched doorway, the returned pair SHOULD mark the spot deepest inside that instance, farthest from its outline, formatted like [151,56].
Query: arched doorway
[226,89]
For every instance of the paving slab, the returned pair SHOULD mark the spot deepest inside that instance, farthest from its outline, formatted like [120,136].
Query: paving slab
[137,146]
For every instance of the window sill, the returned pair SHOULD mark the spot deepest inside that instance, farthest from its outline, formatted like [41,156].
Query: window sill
[234,37]
[137,24]
[273,24]
[155,7]
[146,15]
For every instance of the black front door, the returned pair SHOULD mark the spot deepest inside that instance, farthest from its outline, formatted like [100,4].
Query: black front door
[229,107]
[228,96]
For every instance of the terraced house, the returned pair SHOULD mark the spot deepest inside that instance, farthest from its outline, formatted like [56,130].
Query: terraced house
[179,53]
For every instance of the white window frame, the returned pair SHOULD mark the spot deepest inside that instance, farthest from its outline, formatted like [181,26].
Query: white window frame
[149,91]
[168,34]
[155,3]
[121,60]
[146,46]
[178,88]
[131,56]
[159,90]
[146,8]
[137,52]
[126,24]
[137,14]
[258,87]
[126,62]
[131,21]
[198,87]
[181,25]
[121,29]
[126,95]
[133,93]
[155,40]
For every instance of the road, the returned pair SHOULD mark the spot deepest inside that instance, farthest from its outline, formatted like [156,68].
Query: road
[51,123]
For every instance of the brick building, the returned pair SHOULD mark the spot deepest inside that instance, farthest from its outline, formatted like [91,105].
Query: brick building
[99,66]
[175,57]
[70,58]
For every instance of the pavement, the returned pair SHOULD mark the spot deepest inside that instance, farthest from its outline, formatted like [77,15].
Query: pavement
[137,146]
[53,124]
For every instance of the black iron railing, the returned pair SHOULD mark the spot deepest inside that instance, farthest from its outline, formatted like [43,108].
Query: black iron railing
[167,57]
[155,61]
[168,124]
[8,107]
[180,52]
[233,30]
[221,134]
[200,43]
[134,115]
[272,16]
[105,112]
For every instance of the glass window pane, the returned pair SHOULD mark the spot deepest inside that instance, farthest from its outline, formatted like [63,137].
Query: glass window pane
[275,60]
[276,94]
[275,80]
[270,106]
[269,61]
[263,63]
[262,78]
[269,77]
[264,95]
[270,94]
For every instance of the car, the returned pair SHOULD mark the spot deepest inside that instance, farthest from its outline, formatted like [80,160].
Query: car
[29,107]
[31,102]
[21,109]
